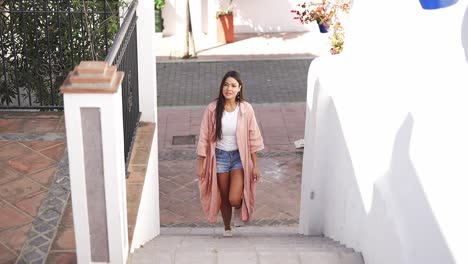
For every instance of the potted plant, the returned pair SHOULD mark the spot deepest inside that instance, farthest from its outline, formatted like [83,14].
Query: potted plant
[225,25]
[337,38]
[158,20]
[324,12]
[435,4]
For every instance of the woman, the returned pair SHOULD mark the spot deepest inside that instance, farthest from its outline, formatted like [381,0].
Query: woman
[227,165]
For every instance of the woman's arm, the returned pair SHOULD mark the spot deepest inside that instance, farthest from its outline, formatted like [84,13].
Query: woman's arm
[256,172]
[203,140]
[255,136]
[201,168]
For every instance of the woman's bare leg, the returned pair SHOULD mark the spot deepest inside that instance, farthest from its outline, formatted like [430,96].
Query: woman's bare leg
[226,209]
[236,187]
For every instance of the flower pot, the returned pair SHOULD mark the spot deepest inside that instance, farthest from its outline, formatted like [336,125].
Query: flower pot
[323,26]
[435,4]
[225,28]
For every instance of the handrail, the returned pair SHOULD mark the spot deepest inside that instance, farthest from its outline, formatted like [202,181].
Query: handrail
[119,38]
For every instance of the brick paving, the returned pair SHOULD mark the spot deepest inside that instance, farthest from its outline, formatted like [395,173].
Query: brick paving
[265,81]
[278,193]
[36,224]
[34,184]
[275,83]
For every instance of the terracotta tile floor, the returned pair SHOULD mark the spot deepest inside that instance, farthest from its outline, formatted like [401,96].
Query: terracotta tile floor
[278,194]
[26,170]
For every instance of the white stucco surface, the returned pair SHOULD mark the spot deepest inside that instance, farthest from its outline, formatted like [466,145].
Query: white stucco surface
[257,16]
[146,62]
[110,109]
[147,223]
[386,135]
[267,16]
[148,219]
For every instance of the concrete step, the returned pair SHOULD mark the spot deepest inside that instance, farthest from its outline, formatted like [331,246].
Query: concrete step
[248,245]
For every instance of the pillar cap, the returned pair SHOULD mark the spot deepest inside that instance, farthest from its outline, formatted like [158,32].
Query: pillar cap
[93,77]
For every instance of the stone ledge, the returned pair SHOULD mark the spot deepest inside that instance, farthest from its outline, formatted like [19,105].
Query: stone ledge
[93,77]
[137,169]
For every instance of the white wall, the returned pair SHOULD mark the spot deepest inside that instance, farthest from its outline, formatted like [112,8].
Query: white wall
[175,17]
[266,16]
[109,106]
[146,64]
[250,16]
[148,222]
[387,137]
[170,17]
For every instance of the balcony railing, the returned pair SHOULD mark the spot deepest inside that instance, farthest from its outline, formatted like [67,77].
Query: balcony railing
[124,55]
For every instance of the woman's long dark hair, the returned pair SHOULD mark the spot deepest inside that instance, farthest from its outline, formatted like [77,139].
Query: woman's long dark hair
[221,100]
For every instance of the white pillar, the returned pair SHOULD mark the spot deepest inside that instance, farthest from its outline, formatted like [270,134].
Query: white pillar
[146,61]
[200,24]
[181,24]
[312,188]
[196,16]
[93,119]
[213,7]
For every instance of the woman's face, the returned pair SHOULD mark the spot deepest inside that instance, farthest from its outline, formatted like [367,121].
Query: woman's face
[230,88]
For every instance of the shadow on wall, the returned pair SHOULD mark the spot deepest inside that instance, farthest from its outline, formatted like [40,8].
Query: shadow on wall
[342,189]
[253,36]
[417,226]
[270,35]
[464,33]
[377,228]
[400,226]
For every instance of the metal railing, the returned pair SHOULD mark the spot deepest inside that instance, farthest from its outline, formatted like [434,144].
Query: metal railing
[124,55]
[42,40]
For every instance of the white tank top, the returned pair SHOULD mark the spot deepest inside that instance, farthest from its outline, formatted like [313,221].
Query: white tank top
[228,129]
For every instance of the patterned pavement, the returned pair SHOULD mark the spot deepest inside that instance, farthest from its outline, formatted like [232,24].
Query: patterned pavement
[36,224]
[278,193]
[34,182]
[195,83]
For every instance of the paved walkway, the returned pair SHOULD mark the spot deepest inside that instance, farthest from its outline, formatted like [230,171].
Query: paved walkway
[36,223]
[278,193]
[265,81]
[275,76]
[34,187]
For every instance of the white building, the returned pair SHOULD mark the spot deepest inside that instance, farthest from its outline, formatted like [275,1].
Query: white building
[386,141]
[386,135]
[259,16]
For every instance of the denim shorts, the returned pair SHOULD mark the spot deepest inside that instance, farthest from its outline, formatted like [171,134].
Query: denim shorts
[227,160]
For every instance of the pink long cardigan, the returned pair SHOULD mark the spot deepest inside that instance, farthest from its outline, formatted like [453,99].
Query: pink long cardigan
[249,140]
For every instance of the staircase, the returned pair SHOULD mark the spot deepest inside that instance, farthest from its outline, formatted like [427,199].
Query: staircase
[248,245]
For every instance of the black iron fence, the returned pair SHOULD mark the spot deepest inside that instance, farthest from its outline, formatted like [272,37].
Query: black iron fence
[42,40]
[124,55]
